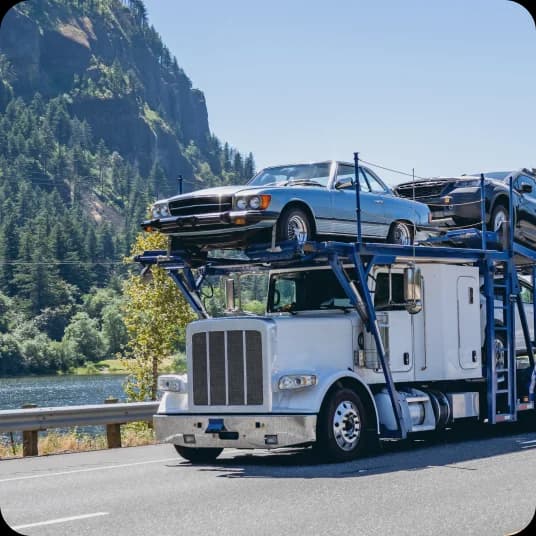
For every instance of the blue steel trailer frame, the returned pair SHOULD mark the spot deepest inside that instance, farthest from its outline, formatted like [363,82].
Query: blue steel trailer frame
[492,263]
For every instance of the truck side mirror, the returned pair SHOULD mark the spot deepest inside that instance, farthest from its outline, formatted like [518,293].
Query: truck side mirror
[229,294]
[413,289]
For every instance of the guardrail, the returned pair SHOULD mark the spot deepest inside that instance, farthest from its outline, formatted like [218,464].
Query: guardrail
[30,420]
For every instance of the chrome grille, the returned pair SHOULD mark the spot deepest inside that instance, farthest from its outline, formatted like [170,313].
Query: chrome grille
[193,206]
[227,368]
[423,190]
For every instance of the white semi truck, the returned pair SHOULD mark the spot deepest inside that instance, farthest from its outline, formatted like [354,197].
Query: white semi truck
[358,342]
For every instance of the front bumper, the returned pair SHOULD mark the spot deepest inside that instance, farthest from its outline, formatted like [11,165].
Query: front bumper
[250,431]
[214,223]
[464,205]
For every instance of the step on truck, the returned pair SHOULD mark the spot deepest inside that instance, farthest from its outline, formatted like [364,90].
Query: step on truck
[358,342]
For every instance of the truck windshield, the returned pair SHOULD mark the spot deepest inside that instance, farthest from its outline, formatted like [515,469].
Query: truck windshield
[319,289]
[306,291]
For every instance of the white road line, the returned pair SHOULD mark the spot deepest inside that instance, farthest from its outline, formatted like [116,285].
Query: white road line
[59,520]
[88,469]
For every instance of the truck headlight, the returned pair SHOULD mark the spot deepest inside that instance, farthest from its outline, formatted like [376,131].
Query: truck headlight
[296,381]
[172,382]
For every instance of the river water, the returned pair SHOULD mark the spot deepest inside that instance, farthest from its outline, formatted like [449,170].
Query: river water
[67,390]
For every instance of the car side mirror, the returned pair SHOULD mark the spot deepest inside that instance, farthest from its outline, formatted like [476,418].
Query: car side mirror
[526,188]
[344,182]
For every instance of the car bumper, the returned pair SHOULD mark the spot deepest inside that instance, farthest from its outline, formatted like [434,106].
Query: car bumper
[463,205]
[217,224]
[239,431]
[219,228]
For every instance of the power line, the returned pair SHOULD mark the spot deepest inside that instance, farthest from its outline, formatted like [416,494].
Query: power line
[392,170]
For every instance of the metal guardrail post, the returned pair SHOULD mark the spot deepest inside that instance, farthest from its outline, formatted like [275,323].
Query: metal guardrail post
[30,438]
[113,431]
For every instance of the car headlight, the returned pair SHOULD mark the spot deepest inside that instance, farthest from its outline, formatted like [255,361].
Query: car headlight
[160,210]
[254,202]
[241,203]
[296,381]
[173,382]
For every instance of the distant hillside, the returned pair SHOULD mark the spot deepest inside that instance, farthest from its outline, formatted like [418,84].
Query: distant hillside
[119,77]
[97,120]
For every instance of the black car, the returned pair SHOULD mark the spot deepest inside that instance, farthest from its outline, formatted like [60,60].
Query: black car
[456,200]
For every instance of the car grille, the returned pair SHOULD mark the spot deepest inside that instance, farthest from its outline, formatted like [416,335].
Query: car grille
[423,190]
[193,206]
[227,368]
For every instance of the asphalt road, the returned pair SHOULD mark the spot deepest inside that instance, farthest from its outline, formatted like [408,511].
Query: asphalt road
[462,483]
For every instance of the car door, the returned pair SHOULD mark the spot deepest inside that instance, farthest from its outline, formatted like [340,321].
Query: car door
[343,205]
[525,186]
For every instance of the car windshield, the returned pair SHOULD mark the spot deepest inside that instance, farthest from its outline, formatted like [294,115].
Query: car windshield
[304,174]
[500,175]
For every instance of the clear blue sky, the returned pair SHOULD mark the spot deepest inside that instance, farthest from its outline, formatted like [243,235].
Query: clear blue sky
[442,87]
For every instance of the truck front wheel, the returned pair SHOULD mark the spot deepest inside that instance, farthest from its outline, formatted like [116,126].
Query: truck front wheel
[198,455]
[341,428]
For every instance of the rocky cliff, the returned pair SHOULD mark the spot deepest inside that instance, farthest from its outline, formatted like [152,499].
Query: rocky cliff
[118,75]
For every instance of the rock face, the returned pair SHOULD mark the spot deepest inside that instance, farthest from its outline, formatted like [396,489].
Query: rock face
[119,76]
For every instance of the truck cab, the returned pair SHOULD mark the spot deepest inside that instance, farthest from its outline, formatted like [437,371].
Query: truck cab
[308,371]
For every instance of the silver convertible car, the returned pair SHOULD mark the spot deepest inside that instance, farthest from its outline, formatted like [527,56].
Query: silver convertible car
[316,199]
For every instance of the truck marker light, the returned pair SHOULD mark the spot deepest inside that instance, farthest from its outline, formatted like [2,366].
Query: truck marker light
[189,438]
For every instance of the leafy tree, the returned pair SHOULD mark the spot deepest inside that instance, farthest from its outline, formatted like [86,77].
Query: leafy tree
[84,335]
[154,314]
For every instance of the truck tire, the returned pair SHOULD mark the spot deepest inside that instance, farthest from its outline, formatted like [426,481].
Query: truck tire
[198,455]
[342,427]
[292,221]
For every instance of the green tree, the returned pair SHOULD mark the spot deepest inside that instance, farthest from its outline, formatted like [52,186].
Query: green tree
[154,314]
[84,335]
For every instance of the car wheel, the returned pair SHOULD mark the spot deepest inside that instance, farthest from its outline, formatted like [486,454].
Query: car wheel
[198,455]
[341,427]
[401,233]
[292,221]
[499,216]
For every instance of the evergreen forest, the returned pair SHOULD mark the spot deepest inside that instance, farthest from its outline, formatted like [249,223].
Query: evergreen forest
[86,144]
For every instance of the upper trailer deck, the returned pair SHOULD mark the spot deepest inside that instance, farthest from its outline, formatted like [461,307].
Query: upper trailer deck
[294,254]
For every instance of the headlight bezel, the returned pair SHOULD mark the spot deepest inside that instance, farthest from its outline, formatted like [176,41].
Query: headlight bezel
[252,202]
[292,382]
[172,383]
[160,210]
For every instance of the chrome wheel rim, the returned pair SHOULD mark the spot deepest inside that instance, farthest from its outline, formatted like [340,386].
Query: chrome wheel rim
[402,234]
[346,425]
[499,219]
[297,225]
[499,353]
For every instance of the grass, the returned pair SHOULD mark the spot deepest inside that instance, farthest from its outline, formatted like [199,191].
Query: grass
[52,442]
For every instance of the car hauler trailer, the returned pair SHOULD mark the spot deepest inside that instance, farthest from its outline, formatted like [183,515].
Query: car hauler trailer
[359,342]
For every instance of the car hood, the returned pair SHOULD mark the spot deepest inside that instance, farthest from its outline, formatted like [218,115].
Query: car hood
[232,190]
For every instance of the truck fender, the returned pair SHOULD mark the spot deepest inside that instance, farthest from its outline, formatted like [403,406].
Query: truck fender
[353,381]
